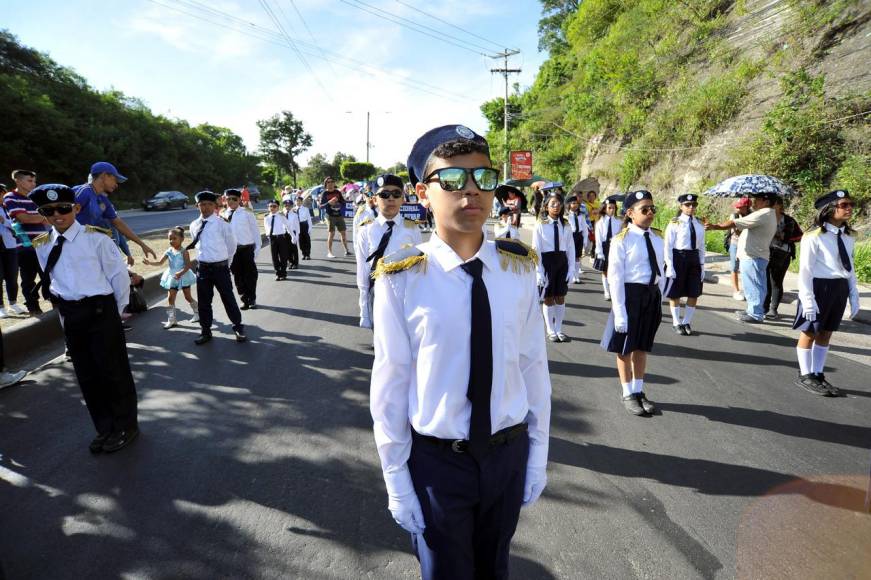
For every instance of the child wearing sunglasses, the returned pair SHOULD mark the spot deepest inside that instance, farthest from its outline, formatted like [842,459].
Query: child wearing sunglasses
[553,241]
[460,393]
[379,236]
[635,275]
[684,262]
[827,280]
[90,287]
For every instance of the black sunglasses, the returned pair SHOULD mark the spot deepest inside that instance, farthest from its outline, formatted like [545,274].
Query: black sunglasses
[61,209]
[647,209]
[389,194]
[455,178]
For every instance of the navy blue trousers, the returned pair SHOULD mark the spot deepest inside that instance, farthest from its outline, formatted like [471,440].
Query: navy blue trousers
[470,511]
[209,279]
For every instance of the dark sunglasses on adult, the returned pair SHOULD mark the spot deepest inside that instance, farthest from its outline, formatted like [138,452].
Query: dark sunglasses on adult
[691,204]
[455,178]
[844,205]
[647,209]
[389,194]
[61,209]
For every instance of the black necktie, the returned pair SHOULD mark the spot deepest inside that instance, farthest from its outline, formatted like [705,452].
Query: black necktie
[651,258]
[382,245]
[508,234]
[193,244]
[230,217]
[577,225]
[692,233]
[272,226]
[480,362]
[842,251]
[555,236]
[610,233]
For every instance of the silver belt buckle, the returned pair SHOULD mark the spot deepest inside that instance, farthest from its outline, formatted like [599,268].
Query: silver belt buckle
[455,446]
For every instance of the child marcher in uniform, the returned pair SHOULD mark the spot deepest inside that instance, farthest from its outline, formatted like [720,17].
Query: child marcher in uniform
[276,227]
[381,236]
[684,262]
[213,237]
[580,232]
[305,226]
[553,241]
[89,286]
[607,226]
[635,273]
[247,234]
[178,275]
[460,391]
[292,232]
[826,281]
[504,228]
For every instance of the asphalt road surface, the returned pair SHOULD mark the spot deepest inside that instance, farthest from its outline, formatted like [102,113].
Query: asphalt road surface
[143,221]
[257,460]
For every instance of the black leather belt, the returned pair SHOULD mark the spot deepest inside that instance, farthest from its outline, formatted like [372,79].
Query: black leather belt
[244,246]
[461,445]
[213,264]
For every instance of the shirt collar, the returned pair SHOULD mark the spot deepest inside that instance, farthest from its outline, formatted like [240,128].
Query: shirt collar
[383,220]
[831,228]
[684,217]
[70,234]
[448,258]
[635,229]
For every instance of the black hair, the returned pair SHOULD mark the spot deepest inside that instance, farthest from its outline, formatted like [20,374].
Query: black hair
[562,210]
[455,148]
[178,230]
[826,213]
[23,173]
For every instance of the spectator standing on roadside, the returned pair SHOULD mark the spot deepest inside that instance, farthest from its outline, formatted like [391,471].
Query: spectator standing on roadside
[97,210]
[742,208]
[332,205]
[245,198]
[8,262]
[758,228]
[30,225]
[782,253]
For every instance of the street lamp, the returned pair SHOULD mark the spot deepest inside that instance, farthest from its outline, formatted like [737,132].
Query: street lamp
[368,113]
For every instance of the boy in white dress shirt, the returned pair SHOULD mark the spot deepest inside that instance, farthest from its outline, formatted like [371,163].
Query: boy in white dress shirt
[276,227]
[248,242]
[460,392]
[216,245]
[89,286]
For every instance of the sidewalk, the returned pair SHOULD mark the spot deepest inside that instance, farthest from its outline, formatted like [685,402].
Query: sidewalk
[852,341]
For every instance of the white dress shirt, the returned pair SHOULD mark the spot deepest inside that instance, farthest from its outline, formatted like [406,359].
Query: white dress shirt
[602,224]
[819,258]
[90,264]
[365,213]
[304,215]
[502,230]
[677,237]
[628,264]
[244,226]
[543,241]
[217,243]
[578,223]
[420,376]
[292,225]
[281,226]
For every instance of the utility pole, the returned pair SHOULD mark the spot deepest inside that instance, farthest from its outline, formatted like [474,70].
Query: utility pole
[368,115]
[505,71]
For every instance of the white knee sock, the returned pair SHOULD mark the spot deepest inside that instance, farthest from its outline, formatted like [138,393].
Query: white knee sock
[819,358]
[675,315]
[605,286]
[688,314]
[627,388]
[548,317]
[560,314]
[637,385]
[805,360]
[578,270]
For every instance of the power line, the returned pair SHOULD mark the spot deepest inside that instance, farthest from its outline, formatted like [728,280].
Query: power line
[310,33]
[411,25]
[451,24]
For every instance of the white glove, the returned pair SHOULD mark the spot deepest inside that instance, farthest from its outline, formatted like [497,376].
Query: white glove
[365,323]
[600,256]
[402,501]
[854,305]
[810,314]
[671,272]
[294,240]
[570,277]
[541,279]
[703,274]
[621,325]
[536,480]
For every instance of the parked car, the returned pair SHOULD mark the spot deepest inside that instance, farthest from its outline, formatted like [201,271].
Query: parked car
[166,200]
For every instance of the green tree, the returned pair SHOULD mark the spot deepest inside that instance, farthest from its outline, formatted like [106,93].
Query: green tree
[356,170]
[282,140]
[551,26]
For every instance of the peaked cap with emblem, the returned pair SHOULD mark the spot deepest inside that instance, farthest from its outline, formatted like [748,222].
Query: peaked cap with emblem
[52,193]
[634,197]
[206,196]
[687,197]
[830,197]
[386,180]
[232,192]
[432,139]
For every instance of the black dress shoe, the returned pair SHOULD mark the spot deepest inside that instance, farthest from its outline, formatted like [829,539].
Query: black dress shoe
[633,407]
[744,317]
[203,339]
[645,404]
[810,383]
[244,307]
[687,331]
[252,306]
[832,389]
[240,335]
[96,445]
[120,440]
[678,329]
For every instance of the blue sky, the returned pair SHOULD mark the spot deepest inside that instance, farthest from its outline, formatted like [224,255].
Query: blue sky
[240,68]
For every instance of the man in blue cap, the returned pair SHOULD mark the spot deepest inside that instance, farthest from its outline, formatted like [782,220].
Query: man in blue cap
[97,210]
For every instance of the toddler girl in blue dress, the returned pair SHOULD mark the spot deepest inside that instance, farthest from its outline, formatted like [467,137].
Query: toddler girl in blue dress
[178,275]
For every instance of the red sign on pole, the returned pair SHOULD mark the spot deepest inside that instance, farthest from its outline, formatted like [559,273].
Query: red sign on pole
[521,165]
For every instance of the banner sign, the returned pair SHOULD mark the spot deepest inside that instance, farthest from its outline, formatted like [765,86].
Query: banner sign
[412,211]
[521,165]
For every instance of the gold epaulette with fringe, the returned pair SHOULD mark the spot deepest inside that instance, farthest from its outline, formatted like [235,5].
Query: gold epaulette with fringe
[516,255]
[675,220]
[400,260]
[542,220]
[360,209]
[815,231]
[98,230]
[656,231]
[41,240]
[621,234]
[365,222]
[411,223]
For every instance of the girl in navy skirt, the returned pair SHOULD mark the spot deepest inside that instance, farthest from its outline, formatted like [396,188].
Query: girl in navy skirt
[635,273]
[684,262]
[827,280]
[578,224]
[553,241]
[607,226]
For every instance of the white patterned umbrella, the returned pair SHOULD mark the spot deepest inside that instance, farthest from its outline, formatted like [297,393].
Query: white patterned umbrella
[741,185]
